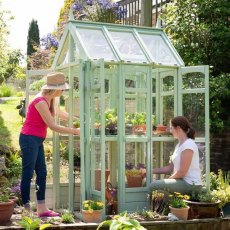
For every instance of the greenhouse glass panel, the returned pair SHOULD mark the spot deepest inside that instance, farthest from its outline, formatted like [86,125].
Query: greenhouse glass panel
[135,159]
[168,109]
[162,153]
[193,80]
[194,110]
[128,46]
[202,153]
[159,50]
[135,101]
[95,44]
[168,83]
[96,157]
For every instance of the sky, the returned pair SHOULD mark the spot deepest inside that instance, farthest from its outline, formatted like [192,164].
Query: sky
[46,12]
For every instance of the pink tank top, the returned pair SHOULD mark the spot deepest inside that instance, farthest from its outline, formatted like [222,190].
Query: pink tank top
[34,124]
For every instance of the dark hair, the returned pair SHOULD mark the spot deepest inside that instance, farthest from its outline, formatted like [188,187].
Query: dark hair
[185,125]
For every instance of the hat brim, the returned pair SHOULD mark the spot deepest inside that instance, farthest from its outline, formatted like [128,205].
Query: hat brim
[58,87]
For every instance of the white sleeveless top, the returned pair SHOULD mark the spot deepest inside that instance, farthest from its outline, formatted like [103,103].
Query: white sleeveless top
[193,176]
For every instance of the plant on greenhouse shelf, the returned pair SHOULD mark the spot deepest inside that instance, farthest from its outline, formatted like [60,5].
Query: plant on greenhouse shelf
[135,174]
[111,122]
[98,10]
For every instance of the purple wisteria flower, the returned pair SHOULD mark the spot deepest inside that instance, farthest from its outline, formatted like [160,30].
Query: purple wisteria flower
[99,10]
[49,41]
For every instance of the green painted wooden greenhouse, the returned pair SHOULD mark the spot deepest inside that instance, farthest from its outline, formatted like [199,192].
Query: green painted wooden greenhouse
[127,83]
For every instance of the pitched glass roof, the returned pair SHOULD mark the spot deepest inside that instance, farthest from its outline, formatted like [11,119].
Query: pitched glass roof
[114,42]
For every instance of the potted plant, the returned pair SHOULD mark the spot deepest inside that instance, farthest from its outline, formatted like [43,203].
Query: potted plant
[6,206]
[92,211]
[121,221]
[111,122]
[222,191]
[178,205]
[158,202]
[203,205]
[139,123]
[134,174]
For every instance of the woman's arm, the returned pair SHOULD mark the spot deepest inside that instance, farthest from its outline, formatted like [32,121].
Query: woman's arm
[43,110]
[164,170]
[185,162]
[63,115]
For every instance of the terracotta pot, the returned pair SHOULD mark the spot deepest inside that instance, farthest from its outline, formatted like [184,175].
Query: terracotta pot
[139,129]
[202,210]
[94,216]
[161,128]
[6,211]
[98,178]
[134,181]
[180,213]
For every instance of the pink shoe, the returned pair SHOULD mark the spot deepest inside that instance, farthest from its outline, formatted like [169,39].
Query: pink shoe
[48,214]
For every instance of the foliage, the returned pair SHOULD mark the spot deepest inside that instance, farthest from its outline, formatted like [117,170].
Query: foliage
[31,223]
[67,217]
[92,205]
[177,200]
[131,170]
[4,194]
[121,221]
[200,32]
[138,118]
[37,85]
[9,125]
[111,121]
[219,106]
[206,196]
[5,18]
[98,10]
[6,90]
[221,191]
[33,38]
[11,68]
[14,166]
[158,202]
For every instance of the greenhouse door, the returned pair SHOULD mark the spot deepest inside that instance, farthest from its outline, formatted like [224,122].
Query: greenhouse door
[94,145]
[193,102]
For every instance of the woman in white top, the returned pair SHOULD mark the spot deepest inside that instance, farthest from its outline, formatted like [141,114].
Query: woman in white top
[184,168]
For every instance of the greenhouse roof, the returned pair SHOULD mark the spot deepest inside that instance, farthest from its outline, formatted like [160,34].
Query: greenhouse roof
[116,43]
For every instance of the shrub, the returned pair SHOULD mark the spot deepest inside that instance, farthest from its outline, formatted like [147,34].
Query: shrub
[6,91]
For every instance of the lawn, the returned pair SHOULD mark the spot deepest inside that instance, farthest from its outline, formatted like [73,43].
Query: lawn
[10,122]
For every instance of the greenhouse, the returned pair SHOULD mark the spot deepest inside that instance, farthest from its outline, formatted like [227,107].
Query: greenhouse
[127,83]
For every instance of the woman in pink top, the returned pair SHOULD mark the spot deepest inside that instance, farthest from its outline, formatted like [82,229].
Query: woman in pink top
[40,115]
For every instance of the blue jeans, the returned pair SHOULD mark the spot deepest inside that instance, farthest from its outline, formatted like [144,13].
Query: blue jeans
[33,159]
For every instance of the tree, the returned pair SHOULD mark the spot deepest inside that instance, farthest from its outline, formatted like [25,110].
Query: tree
[200,31]
[5,17]
[33,39]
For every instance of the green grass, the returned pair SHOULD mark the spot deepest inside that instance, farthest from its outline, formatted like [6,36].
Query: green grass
[10,123]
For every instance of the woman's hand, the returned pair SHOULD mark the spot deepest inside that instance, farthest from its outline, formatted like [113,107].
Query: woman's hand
[76,131]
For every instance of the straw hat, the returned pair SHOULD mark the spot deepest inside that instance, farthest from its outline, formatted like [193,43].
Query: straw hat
[56,80]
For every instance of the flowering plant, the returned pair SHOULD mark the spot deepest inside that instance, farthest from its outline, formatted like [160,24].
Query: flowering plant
[177,200]
[132,170]
[92,205]
[98,10]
